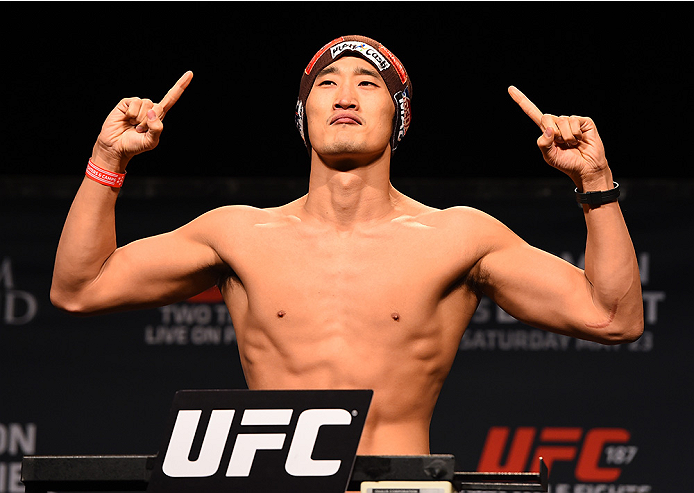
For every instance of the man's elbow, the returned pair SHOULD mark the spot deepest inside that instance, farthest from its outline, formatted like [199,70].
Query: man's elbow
[624,332]
[68,302]
[627,336]
[622,324]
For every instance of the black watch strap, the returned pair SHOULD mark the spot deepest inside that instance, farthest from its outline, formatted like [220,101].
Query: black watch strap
[598,198]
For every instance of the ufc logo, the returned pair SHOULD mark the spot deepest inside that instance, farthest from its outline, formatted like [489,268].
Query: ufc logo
[299,462]
[558,444]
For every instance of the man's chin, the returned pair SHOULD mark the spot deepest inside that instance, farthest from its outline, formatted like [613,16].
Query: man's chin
[346,149]
[348,155]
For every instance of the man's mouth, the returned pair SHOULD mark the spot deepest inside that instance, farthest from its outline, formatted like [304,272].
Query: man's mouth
[345,117]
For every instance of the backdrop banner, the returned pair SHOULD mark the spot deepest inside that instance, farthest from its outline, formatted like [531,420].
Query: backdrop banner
[605,418]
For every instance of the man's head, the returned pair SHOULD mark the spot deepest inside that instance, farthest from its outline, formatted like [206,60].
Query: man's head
[381,63]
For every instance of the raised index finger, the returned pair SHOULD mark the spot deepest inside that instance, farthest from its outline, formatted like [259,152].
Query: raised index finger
[175,92]
[526,105]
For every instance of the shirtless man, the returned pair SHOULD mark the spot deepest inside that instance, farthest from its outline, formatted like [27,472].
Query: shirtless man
[354,285]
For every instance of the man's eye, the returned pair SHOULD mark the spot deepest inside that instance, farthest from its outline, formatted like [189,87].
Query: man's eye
[326,82]
[366,83]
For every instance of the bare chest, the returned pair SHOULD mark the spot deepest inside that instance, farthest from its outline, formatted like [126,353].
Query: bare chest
[323,279]
[318,309]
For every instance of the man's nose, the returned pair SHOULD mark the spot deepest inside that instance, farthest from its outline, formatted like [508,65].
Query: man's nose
[345,98]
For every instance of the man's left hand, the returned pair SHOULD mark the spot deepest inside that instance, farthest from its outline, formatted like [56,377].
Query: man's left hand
[568,143]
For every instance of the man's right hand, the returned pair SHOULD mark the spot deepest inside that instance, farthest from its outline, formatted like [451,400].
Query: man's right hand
[133,127]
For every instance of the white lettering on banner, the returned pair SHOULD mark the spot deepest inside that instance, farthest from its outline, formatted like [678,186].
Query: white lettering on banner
[11,477]
[537,340]
[620,454]
[514,340]
[206,335]
[197,324]
[6,273]
[299,462]
[184,313]
[644,267]
[368,50]
[18,307]
[166,335]
[176,463]
[650,307]
[16,440]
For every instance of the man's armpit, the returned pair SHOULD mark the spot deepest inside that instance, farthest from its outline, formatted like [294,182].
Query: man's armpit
[477,279]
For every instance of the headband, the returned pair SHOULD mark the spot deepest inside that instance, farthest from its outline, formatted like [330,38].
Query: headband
[389,67]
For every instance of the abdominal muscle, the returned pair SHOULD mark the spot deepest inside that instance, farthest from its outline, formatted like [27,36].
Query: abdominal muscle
[404,362]
[400,411]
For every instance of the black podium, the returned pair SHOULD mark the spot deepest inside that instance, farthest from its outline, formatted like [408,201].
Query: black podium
[41,474]
[308,441]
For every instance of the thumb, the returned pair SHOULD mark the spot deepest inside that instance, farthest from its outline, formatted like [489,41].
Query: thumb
[154,124]
[546,141]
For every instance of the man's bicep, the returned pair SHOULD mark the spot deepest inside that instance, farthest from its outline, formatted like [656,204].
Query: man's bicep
[538,288]
[155,271]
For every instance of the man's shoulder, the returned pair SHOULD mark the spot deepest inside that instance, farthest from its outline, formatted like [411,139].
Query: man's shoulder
[467,227]
[414,208]
[457,216]
[241,214]
[244,220]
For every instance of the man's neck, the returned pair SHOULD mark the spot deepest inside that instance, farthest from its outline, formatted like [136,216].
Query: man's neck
[349,197]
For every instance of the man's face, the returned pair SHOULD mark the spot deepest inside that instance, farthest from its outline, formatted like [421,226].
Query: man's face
[349,111]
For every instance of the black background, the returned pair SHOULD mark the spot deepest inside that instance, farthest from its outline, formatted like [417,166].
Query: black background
[66,65]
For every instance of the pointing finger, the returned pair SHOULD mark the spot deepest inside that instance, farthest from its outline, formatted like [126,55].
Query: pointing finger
[526,105]
[174,93]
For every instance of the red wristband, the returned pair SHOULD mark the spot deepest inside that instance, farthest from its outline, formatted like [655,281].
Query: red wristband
[104,176]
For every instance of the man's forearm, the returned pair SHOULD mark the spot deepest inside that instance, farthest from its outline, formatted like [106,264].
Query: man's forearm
[87,241]
[610,262]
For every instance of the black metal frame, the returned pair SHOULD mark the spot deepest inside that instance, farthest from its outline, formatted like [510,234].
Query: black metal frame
[43,473]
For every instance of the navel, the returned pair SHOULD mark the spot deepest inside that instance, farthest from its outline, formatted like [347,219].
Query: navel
[395,316]
[281,313]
